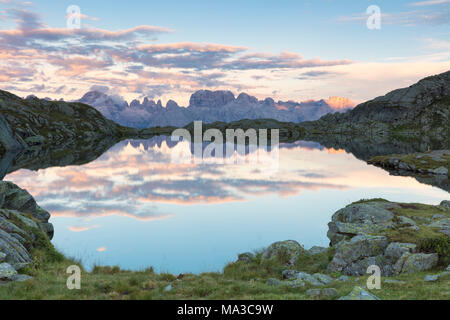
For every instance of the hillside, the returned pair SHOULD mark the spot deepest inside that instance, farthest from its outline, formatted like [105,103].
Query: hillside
[422,109]
[209,106]
[26,123]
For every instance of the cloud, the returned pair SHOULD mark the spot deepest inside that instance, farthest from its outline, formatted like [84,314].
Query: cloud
[316,74]
[78,229]
[429,3]
[128,60]
[285,60]
[407,18]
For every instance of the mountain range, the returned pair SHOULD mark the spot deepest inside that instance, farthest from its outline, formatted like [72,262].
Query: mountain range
[209,107]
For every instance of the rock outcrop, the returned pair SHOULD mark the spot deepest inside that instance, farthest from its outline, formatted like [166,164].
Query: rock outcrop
[435,162]
[368,233]
[33,123]
[423,108]
[363,234]
[22,224]
[210,106]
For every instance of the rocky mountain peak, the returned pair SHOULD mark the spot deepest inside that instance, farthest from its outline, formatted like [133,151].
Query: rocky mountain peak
[244,98]
[213,99]
[340,103]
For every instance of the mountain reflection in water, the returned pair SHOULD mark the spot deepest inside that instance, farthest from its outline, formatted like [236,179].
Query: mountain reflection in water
[134,207]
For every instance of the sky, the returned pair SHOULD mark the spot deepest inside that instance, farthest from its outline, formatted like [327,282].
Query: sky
[288,50]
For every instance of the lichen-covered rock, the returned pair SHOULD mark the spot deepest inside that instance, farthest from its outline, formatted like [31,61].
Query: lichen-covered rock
[7,271]
[317,250]
[14,198]
[323,278]
[431,278]
[289,274]
[360,218]
[7,139]
[354,256]
[2,257]
[395,251]
[327,293]
[26,123]
[273,282]
[343,279]
[411,263]
[443,225]
[22,221]
[286,251]
[445,204]
[359,293]
[246,257]
[21,278]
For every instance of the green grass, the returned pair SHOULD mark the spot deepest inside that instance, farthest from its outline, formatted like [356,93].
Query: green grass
[239,280]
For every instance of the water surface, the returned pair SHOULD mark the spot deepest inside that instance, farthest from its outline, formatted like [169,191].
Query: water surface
[135,207]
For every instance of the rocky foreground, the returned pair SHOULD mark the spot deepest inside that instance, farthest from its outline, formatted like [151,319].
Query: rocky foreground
[401,239]
[398,238]
[23,227]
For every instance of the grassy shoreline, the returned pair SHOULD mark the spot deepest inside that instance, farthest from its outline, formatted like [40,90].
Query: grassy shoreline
[243,279]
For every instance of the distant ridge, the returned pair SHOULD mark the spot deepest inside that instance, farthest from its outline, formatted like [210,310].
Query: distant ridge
[210,106]
[422,109]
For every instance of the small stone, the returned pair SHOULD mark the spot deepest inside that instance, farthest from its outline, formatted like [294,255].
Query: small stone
[411,263]
[313,292]
[359,293]
[273,282]
[7,271]
[431,278]
[343,279]
[316,250]
[440,171]
[168,288]
[391,281]
[21,278]
[406,222]
[445,204]
[309,279]
[323,278]
[290,274]
[246,257]
[329,293]
[289,250]
[297,283]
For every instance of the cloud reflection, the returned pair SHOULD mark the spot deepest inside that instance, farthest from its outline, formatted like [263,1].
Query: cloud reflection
[137,179]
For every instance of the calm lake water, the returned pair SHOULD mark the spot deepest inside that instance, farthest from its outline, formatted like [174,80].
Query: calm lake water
[135,207]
